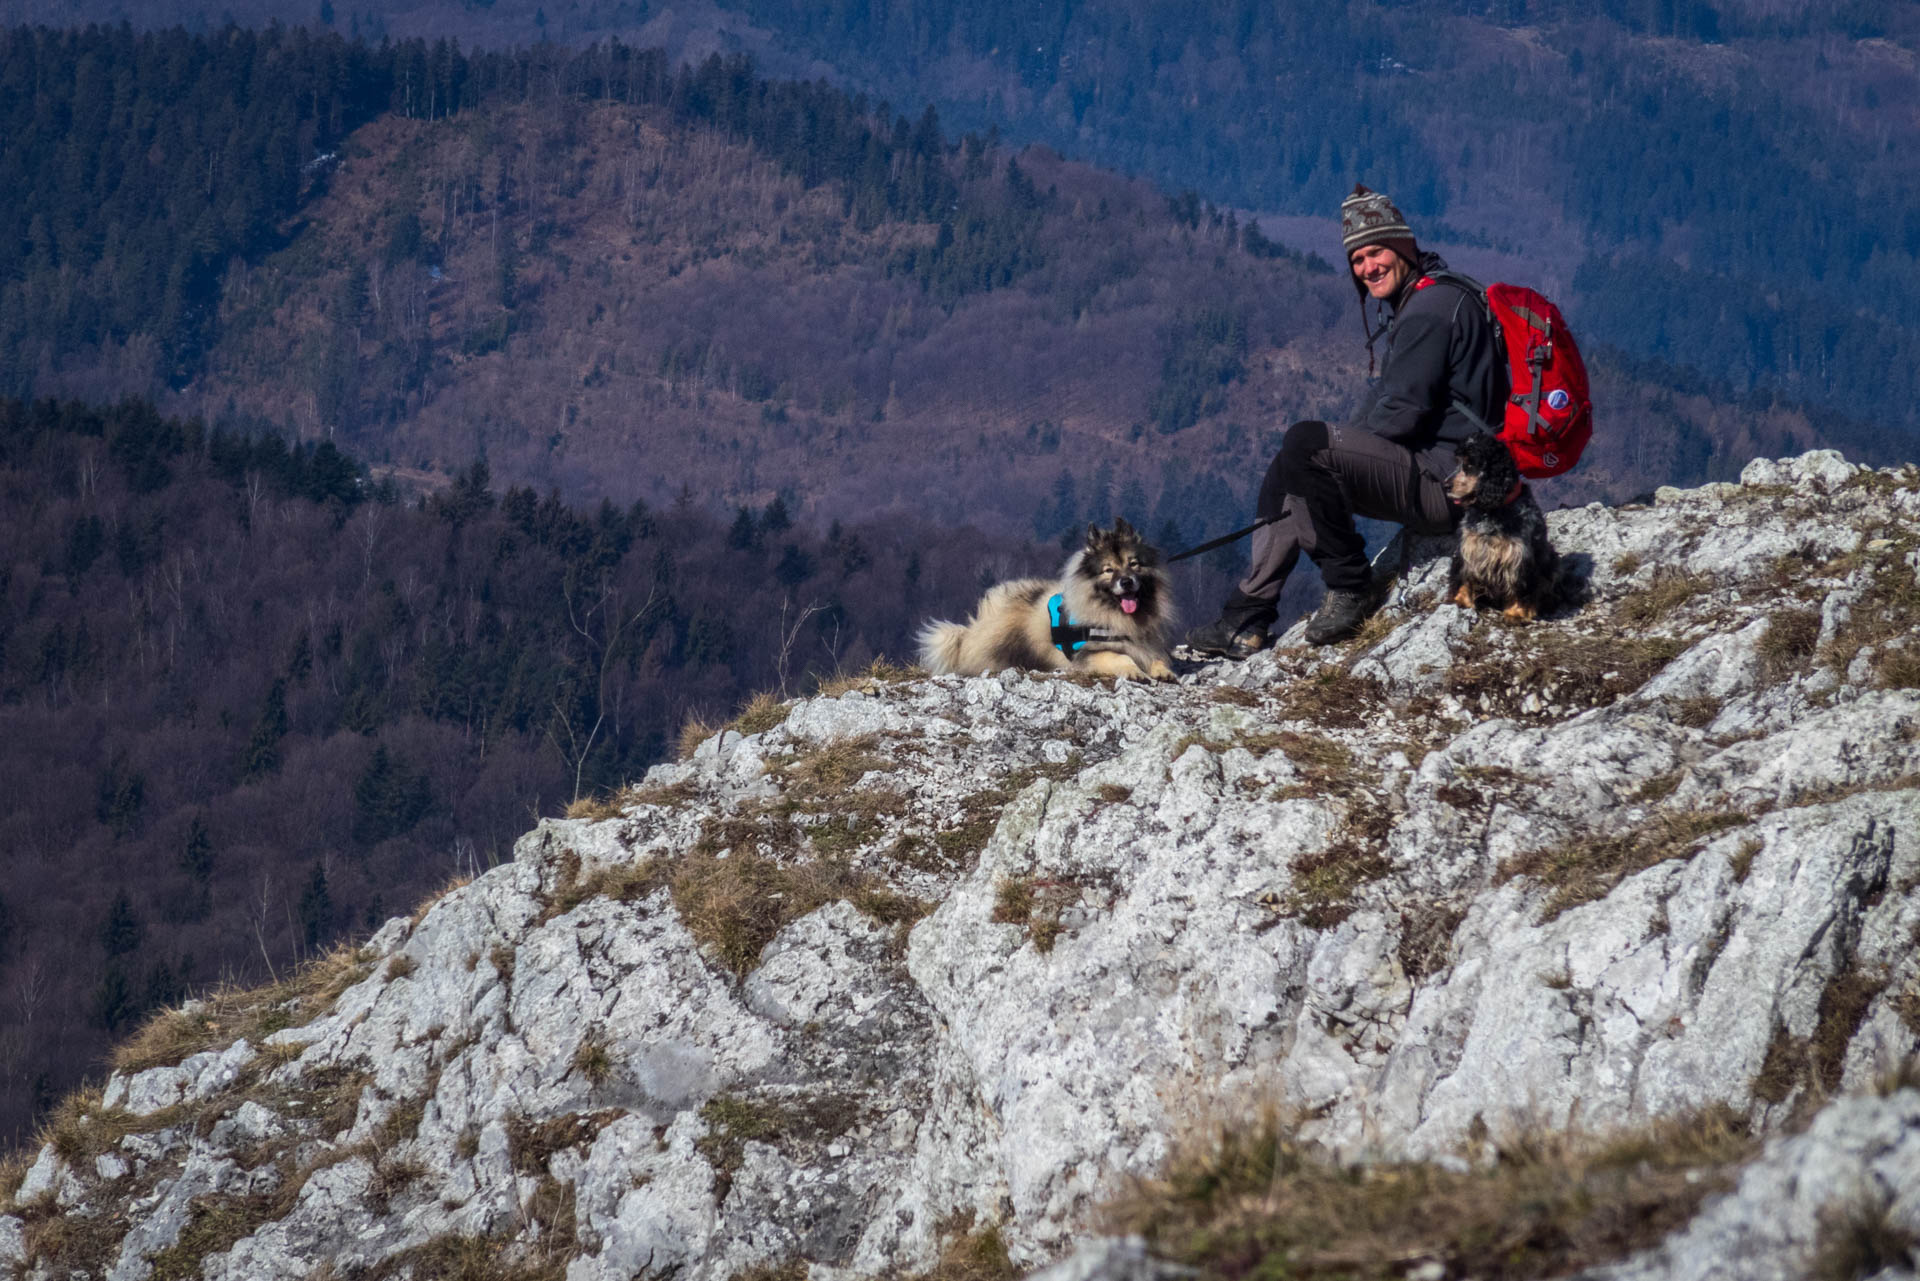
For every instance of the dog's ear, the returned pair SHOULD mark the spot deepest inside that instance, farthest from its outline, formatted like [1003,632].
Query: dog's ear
[1095,536]
[1121,528]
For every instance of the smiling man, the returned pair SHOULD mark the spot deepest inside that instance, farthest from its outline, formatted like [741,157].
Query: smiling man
[1442,374]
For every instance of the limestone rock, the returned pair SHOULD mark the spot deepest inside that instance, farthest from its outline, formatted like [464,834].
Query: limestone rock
[945,955]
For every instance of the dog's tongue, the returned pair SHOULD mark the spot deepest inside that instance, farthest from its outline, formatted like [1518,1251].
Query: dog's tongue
[1128,604]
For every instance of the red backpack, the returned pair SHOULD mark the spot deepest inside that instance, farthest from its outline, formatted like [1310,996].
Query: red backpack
[1549,413]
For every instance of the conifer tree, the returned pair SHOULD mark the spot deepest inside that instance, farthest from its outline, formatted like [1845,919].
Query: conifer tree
[389,799]
[316,908]
[113,1001]
[745,533]
[196,857]
[263,748]
[121,933]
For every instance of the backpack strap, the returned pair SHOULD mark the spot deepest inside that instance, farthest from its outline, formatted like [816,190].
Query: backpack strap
[1448,276]
[1477,291]
[1539,355]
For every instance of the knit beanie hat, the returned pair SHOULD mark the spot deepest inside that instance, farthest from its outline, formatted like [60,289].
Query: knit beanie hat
[1369,218]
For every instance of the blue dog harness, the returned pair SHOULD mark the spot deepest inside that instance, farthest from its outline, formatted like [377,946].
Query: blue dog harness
[1068,636]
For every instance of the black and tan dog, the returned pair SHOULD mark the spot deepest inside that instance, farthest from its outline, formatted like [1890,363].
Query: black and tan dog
[1108,614]
[1503,559]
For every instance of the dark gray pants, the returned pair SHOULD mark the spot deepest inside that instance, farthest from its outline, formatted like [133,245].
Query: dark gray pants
[1319,481]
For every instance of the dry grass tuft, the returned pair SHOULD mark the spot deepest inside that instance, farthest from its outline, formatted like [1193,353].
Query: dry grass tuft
[970,1253]
[980,812]
[830,771]
[786,1270]
[666,795]
[1907,1006]
[1587,868]
[1426,939]
[1904,1075]
[879,673]
[736,905]
[1257,1202]
[401,966]
[1671,589]
[1568,672]
[502,958]
[531,1144]
[1379,625]
[1788,643]
[461,1258]
[1843,1007]
[278,1054]
[1323,763]
[1888,610]
[1325,881]
[1333,697]
[622,882]
[551,1210]
[13,1172]
[1039,905]
[595,808]
[223,1017]
[1013,901]
[1698,712]
[1861,1240]
[1898,668]
[392,1177]
[734,1119]
[403,1122]
[615,805]
[762,712]
[1659,787]
[1815,1062]
[594,1061]
[70,1245]
[426,904]
[695,732]
[214,1224]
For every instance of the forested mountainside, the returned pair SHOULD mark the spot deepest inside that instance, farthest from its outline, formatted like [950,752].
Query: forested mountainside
[250,704]
[1715,186]
[623,279]
[1719,184]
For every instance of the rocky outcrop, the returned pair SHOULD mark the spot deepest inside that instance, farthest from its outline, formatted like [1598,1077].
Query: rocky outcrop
[935,954]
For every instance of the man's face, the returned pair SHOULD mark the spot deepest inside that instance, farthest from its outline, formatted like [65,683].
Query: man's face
[1380,269]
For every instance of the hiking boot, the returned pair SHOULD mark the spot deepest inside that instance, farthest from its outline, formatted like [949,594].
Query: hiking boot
[1228,637]
[1340,616]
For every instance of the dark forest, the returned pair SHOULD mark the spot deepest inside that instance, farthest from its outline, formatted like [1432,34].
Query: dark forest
[251,704]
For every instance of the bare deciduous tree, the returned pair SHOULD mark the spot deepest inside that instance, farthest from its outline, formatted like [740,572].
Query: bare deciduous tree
[259,909]
[789,635]
[600,623]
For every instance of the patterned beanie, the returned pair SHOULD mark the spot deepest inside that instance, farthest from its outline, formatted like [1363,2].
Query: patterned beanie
[1369,218]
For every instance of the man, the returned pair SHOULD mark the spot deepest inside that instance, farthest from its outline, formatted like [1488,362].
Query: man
[1444,374]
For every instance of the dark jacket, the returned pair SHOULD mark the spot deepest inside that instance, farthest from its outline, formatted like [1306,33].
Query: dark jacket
[1441,350]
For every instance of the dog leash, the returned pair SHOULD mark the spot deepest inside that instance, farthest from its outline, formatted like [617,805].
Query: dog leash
[1221,541]
[1234,537]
